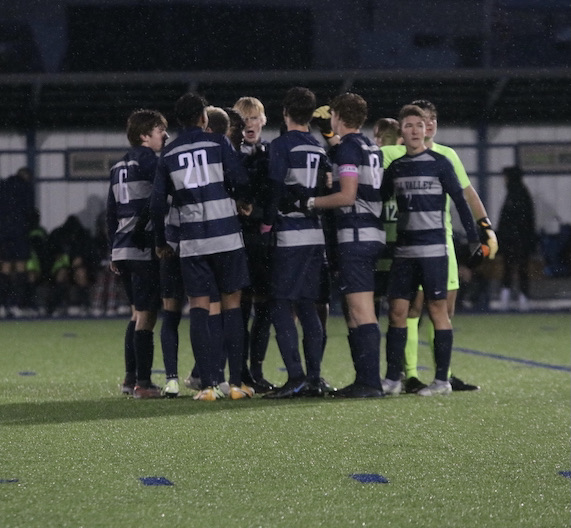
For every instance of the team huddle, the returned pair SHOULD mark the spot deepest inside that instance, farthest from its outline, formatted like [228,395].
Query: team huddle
[250,234]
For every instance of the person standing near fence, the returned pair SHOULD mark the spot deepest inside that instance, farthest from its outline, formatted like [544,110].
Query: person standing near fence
[517,237]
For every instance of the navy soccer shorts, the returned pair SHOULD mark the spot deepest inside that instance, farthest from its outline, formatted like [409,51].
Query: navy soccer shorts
[141,280]
[407,274]
[172,286]
[357,264]
[226,272]
[296,272]
[381,283]
[259,268]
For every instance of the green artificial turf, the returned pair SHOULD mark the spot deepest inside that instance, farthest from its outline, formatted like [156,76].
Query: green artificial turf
[72,450]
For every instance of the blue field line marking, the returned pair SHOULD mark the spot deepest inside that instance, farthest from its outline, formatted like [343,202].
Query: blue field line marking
[528,362]
[369,478]
[156,481]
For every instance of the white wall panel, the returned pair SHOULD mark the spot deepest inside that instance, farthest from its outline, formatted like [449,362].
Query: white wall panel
[528,134]
[12,141]
[456,136]
[469,158]
[50,165]
[501,157]
[10,163]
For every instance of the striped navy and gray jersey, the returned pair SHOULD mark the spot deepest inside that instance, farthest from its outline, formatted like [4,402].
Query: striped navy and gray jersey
[361,221]
[203,174]
[297,160]
[421,184]
[131,183]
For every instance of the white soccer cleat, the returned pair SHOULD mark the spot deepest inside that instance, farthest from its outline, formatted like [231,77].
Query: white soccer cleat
[391,387]
[171,389]
[435,388]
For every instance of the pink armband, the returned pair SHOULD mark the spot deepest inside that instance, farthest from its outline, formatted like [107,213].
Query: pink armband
[348,171]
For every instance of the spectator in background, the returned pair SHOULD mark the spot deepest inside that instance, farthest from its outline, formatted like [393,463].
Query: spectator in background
[516,235]
[74,263]
[37,267]
[16,213]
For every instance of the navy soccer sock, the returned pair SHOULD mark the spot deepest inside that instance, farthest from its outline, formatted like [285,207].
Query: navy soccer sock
[396,341]
[233,343]
[312,338]
[287,338]
[259,338]
[353,348]
[218,354]
[201,345]
[442,353]
[144,350]
[246,308]
[130,358]
[169,342]
[367,340]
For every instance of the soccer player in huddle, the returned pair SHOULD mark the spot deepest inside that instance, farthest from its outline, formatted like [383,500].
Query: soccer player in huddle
[421,181]
[172,290]
[386,132]
[357,177]
[204,175]
[130,236]
[296,160]
[255,156]
[487,236]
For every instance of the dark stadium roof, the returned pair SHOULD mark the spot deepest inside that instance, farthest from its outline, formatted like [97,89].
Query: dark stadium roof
[464,97]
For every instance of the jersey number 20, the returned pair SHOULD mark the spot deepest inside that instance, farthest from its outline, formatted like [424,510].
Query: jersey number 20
[196,164]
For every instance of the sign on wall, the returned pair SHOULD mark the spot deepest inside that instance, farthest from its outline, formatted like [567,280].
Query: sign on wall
[91,164]
[545,157]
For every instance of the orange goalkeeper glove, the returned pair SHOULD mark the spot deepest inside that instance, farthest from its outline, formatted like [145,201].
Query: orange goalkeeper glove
[487,236]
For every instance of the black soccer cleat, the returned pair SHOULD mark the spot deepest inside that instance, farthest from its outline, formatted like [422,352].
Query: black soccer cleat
[317,388]
[458,385]
[357,390]
[413,385]
[292,389]
[262,386]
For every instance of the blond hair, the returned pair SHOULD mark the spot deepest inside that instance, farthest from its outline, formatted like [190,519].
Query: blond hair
[246,106]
